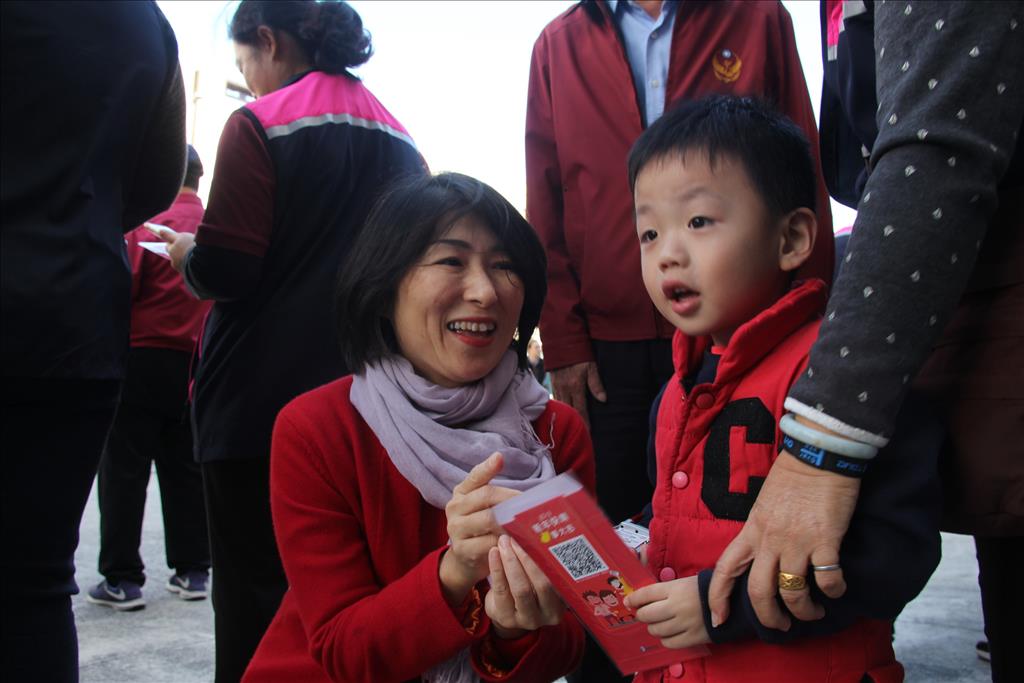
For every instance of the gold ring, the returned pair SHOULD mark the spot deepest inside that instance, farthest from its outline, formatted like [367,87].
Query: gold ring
[791,582]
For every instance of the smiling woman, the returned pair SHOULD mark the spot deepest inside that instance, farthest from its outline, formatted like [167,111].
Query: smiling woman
[382,484]
[456,309]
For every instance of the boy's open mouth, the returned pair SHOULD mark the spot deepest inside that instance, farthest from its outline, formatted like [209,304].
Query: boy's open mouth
[676,291]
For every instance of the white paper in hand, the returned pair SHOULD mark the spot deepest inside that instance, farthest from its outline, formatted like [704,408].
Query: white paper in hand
[158,248]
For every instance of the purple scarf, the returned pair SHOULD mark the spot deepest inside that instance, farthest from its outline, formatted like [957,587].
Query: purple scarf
[435,435]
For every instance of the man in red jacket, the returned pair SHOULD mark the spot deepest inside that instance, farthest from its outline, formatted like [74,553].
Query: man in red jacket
[152,424]
[600,74]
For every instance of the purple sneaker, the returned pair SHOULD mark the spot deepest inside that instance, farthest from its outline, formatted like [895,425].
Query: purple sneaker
[189,586]
[123,597]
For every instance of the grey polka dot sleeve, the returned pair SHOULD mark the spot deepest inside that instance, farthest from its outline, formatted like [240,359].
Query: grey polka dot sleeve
[950,82]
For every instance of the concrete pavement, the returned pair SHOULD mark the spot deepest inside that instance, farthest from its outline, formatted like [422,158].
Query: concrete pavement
[171,641]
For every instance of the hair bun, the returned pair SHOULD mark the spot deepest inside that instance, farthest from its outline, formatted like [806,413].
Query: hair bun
[339,42]
[329,31]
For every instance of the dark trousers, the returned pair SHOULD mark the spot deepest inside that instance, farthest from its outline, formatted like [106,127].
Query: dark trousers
[152,426]
[248,579]
[632,373]
[53,432]
[1002,599]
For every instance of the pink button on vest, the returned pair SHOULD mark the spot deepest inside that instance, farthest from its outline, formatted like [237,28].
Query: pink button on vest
[704,401]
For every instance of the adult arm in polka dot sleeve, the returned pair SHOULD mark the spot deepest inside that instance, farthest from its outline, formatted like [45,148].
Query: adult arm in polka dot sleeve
[950,108]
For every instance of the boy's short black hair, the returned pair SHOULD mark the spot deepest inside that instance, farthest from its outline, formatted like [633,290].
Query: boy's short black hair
[401,226]
[772,149]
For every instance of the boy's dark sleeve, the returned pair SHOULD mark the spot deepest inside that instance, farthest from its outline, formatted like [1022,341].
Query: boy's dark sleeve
[652,455]
[890,551]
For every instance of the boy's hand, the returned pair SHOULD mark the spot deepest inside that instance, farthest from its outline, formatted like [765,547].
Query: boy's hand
[672,612]
[570,385]
[521,598]
[472,529]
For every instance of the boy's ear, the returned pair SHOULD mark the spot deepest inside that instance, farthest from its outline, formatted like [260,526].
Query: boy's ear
[796,242]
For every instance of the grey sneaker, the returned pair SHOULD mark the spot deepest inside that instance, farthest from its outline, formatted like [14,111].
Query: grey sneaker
[189,586]
[123,597]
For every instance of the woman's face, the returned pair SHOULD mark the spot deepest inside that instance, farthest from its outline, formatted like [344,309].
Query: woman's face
[257,67]
[456,309]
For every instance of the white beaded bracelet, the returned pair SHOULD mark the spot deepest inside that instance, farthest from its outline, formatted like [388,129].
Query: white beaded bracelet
[829,442]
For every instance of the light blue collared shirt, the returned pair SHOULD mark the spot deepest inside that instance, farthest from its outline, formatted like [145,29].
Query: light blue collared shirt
[648,48]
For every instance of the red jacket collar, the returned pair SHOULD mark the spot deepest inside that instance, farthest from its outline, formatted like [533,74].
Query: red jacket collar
[188,198]
[758,336]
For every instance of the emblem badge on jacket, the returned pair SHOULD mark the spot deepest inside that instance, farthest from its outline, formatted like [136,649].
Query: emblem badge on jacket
[727,65]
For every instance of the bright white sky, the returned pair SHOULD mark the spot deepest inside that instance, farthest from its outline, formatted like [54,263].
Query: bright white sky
[453,72]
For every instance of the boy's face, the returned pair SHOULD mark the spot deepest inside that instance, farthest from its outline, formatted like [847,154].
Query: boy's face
[709,247]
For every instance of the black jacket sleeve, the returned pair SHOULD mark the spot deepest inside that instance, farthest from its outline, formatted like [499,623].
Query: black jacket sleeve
[652,455]
[890,550]
[155,181]
[221,274]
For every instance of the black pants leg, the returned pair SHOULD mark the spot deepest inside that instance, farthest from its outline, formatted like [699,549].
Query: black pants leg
[53,432]
[123,478]
[248,579]
[186,536]
[152,425]
[1002,599]
[633,374]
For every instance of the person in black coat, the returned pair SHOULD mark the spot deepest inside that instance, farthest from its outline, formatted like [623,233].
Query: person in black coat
[93,143]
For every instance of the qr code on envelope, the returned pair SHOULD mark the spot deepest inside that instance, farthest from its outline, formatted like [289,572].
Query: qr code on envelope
[579,558]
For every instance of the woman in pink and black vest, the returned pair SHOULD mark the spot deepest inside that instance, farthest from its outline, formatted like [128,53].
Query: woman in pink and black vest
[297,171]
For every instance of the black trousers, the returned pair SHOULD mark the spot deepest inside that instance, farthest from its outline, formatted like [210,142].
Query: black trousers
[1002,599]
[152,426]
[632,373]
[248,579]
[53,432]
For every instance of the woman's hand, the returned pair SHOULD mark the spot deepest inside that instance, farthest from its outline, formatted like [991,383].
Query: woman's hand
[799,519]
[672,612]
[472,529]
[178,243]
[521,598]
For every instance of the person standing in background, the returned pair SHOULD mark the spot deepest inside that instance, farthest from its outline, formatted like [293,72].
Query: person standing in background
[297,172]
[152,424]
[600,74]
[536,362]
[92,143]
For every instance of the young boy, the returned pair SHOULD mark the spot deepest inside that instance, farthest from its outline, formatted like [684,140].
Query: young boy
[724,197]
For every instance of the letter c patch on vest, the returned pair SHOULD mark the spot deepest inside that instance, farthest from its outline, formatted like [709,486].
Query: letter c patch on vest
[760,427]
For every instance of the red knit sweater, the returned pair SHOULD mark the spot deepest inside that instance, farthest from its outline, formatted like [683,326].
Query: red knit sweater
[361,550]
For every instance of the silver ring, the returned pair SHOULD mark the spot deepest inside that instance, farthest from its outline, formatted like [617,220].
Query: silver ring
[825,567]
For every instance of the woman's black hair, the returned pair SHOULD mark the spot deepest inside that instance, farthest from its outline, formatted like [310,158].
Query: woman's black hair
[329,32]
[411,215]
